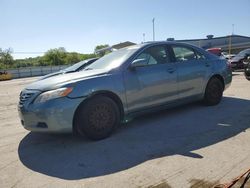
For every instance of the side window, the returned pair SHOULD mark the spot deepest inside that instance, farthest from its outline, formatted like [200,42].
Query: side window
[184,54]
[200,56]
[152,56]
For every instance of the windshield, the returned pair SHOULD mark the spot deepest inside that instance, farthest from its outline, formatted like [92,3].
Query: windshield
[244,52]
[75,66]
[114,59]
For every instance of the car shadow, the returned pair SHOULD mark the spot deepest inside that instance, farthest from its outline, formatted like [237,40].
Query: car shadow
[180,131]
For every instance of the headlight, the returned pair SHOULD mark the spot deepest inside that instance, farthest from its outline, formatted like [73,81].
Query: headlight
[48,95]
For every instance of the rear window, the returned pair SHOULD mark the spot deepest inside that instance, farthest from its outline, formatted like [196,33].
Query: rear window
[183,53]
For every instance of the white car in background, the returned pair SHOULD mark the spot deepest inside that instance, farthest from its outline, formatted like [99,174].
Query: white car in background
[227,55]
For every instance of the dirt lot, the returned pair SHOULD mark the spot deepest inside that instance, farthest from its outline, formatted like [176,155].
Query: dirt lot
[189,146]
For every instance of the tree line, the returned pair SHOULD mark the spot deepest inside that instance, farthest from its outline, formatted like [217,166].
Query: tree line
[56,56]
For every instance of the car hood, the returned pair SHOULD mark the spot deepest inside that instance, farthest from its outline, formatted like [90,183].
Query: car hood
[63,79]
[51,74]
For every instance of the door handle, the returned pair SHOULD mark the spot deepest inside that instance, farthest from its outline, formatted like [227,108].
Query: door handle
[207,64]
[171,70]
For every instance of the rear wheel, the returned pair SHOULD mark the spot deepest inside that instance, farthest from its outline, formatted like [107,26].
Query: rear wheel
[213,92]
[97,118]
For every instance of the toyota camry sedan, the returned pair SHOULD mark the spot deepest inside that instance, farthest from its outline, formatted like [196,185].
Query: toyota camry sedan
[131,81]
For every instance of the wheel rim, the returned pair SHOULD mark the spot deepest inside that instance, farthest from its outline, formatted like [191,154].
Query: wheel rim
[101,117]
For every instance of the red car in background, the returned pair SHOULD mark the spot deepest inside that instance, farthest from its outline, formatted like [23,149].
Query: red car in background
[216,51]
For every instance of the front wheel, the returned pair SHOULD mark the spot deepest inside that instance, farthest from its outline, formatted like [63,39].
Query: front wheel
[247,73]
[97,118]
[213,92]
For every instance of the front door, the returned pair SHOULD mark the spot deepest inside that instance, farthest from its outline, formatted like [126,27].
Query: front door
[152,81]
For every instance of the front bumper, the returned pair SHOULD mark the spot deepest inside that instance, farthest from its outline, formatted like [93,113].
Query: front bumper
[237,65]
[52,116]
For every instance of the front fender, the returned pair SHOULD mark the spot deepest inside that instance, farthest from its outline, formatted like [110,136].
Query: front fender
[109,83]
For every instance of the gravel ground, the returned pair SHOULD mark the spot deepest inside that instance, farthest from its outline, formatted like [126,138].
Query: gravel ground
[189,146]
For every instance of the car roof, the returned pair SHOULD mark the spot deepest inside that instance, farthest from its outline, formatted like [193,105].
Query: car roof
[162,42]
[152,43]
[245,51]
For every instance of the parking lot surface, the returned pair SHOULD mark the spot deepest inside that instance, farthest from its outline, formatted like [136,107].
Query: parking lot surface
[188,146]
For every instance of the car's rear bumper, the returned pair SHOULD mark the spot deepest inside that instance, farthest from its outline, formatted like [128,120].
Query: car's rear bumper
[52,116]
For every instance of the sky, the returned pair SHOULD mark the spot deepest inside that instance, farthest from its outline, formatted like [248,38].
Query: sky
[30,27]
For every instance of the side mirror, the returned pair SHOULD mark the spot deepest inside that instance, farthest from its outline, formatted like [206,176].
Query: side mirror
[138,63]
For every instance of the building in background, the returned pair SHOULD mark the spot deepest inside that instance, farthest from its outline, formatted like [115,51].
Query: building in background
[230,43]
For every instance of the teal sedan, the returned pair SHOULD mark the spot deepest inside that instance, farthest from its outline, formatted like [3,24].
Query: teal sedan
[125,83]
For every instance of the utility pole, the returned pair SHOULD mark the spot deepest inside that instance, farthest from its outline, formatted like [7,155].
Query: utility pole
[143,37]
[230,40]
[230,45]
[153,29]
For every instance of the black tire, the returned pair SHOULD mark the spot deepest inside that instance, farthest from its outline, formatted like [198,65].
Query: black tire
[247,73]
[213,92]
[97,118]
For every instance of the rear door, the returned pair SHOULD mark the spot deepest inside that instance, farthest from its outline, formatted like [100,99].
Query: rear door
[192,70]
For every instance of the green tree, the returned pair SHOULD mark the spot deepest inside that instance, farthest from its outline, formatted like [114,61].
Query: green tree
[72,58]
[56,56]
[6,57]
[102,46]
[87,56]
